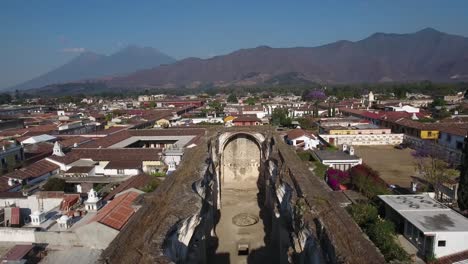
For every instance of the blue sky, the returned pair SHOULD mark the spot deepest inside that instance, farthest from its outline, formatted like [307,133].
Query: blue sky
[37,36]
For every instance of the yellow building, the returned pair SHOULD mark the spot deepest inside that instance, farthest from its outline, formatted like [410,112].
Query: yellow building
[228,118]
[429,134]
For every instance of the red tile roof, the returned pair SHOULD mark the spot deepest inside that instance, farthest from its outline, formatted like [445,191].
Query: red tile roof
[457,257]
[117,213]
[4,187]
[295,133]
[68,201]
[454,129]
[35,130]
[17,253]
[34,170]
[70,141]
[120,136]
[134,182]
[124,164]
[15,216]
[79,169]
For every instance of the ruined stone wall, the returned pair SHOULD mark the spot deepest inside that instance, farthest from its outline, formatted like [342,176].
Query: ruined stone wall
[315,217]
[176,222]
[241,161]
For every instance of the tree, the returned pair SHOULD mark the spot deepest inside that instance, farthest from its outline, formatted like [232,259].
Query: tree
[463,184]
[251,101]
[55,184]
[5,98]
[216,106]
[232,98]
[434,170]
[438,102]
[307,122]
[280,117]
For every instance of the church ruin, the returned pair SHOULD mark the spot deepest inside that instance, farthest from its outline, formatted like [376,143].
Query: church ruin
[242,197]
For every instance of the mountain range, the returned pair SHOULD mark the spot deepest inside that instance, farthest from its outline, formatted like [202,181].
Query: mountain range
[382,57]
[424,55]
[89,65]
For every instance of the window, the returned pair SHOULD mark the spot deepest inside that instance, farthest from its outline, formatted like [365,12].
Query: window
[120,171]
[441,243]
[459,145]
[449,138]
[429,133]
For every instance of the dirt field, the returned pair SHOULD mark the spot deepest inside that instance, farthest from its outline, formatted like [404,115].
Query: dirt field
[395,166]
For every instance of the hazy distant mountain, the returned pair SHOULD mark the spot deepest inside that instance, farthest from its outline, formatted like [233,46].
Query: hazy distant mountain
[89,65]
[424,55]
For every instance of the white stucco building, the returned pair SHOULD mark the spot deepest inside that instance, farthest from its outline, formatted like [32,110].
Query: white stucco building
[340,160]
[431,227]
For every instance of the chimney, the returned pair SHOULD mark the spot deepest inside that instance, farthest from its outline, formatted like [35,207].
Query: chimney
[351,151]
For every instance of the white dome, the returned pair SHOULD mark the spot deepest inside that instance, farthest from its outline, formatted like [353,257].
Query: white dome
[64,218]
[36,213]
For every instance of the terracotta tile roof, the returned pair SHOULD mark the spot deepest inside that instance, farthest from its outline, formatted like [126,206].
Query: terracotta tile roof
[124,164]
[120,136]
[107,141]
[17,253]
[457,257]
[36,130]
[246,119]
[70,141]
[117,213]
[4,187]
[68,201]
[112,130]
[79,169]
[34,170]
[15,216]
[295,133]
[454,129]
[107,154]
[136,182]
[38,148]
[67,159]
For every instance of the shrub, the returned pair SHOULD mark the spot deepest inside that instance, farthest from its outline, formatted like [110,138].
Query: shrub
[151,186]
[304,155]
[382,233]
[363,214]
[335,178]
[55,184]
[367,181]
[320,169]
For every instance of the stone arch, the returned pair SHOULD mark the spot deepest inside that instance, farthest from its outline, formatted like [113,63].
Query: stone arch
[241,155]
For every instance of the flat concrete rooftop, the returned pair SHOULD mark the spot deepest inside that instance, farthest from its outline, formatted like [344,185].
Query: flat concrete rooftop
[426,214]
[334,155]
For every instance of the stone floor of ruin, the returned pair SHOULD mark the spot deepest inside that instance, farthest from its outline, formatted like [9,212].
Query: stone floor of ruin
[234,202]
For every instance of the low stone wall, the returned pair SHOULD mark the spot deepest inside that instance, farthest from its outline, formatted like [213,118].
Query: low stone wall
[93,235]
[9,234]
[364,140]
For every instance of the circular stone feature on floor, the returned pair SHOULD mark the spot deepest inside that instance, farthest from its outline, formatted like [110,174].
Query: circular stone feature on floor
[244,219]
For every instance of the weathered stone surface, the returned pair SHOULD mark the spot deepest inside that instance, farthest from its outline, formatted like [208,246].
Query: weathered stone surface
[302,219]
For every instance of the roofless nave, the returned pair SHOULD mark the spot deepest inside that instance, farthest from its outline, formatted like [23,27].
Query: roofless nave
[241,197]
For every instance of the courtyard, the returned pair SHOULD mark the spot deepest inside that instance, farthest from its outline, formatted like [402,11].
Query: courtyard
[396,166]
